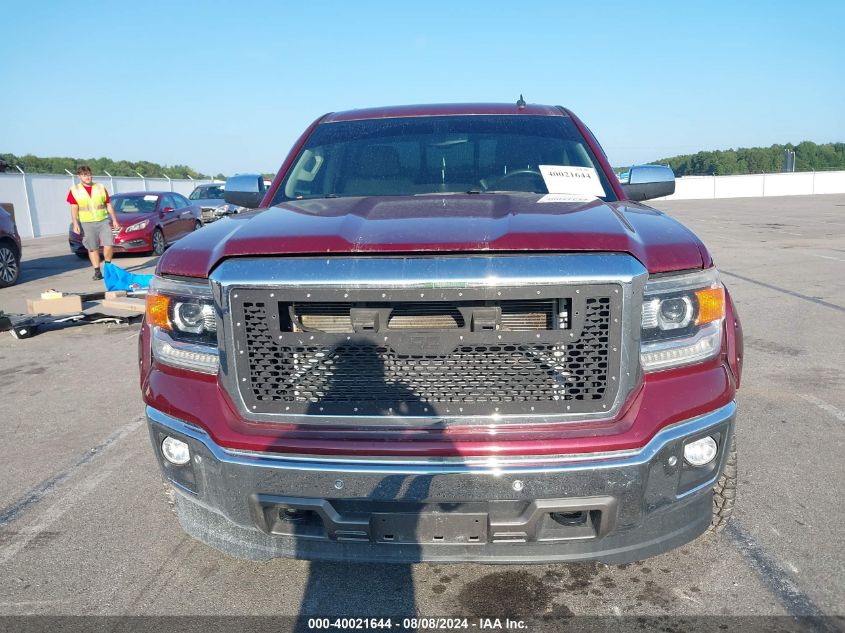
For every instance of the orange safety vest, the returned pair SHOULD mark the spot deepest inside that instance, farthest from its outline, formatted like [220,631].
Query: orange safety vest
[91,208]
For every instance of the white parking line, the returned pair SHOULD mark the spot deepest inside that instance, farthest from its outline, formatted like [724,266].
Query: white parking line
[824,406]
[836,259]
[30,603]
[68,500]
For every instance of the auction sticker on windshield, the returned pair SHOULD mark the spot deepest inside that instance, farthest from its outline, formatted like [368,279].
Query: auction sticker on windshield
[574,180]
[565,197]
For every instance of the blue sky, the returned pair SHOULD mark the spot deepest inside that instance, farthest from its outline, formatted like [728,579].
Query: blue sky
[227,87]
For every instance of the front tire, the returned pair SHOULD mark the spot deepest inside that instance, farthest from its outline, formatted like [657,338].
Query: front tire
[159,243]
[10,265]
[724,492]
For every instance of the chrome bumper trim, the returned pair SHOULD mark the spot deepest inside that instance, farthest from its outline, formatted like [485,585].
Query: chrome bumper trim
[496,466]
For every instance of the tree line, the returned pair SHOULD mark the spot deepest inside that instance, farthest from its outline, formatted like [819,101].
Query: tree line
[809,156]
[58,165]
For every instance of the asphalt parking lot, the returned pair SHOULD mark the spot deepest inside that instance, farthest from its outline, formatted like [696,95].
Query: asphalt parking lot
[85,528]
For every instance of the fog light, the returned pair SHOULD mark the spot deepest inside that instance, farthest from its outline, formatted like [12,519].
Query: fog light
[175,451]
[701,452]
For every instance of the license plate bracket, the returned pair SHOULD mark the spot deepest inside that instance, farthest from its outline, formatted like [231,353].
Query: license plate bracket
[429,527]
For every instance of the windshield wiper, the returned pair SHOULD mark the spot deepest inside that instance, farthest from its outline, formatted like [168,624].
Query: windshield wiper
[315,197]
[514,191]
[449,193]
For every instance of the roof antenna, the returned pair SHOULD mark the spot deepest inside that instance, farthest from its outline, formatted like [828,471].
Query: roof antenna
[521,103]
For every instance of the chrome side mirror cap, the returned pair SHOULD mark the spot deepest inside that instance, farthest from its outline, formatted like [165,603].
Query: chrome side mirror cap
[245,190]
[644,182]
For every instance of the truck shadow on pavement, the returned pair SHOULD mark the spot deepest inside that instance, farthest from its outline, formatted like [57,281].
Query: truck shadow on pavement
[335,589]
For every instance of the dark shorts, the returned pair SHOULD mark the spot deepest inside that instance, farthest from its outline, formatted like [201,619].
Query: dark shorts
[96,234]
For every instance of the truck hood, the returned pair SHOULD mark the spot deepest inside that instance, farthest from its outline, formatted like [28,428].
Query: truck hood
[514,222]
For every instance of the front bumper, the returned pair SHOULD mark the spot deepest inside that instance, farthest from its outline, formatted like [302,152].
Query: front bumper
[614,507]
[210,214]
[138,243]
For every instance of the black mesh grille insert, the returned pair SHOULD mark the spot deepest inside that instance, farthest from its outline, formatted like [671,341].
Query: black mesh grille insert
[454,373]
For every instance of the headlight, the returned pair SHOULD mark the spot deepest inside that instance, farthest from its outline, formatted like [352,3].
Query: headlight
[194,317]
[682,319]
[223,209]
[137,226]
[184,322]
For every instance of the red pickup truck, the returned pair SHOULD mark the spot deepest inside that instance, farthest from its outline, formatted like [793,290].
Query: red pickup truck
[447,333]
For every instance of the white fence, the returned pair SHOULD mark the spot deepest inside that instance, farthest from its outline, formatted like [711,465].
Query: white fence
[805,183]
[40,200]
[41,208]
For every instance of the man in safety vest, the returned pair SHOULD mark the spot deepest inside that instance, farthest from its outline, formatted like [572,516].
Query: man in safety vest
[90,209]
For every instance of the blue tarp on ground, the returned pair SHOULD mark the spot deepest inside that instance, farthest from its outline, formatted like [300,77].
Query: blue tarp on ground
[116,278]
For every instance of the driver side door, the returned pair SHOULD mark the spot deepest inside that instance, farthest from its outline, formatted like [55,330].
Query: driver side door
[168,218]
[184,212]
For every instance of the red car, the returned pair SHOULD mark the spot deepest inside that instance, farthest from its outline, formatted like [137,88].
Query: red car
[149,221]
[10,250]
[448,333]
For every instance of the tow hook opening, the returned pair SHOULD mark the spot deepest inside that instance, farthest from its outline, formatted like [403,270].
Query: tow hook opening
[293,515]
[569,518]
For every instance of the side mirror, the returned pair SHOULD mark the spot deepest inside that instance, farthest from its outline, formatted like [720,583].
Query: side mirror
[245,190]
[645,182]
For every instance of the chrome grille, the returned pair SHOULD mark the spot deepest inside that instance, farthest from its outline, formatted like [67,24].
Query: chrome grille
[537,335]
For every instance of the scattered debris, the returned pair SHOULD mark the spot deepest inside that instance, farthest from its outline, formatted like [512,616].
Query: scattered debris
[26,326]
[126,303]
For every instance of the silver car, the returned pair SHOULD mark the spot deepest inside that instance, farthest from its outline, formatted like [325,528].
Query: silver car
[210,199]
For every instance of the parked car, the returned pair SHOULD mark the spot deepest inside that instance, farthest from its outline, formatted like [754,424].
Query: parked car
[447,333]
[10,250]
[149,221]
[210,198]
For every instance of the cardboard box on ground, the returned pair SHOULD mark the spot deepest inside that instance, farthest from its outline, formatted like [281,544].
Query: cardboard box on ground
[66,304]
[124,303]
[72,304]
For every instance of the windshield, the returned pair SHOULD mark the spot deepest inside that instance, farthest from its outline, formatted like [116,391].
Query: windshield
[215,192]
[428,155]
[134,204]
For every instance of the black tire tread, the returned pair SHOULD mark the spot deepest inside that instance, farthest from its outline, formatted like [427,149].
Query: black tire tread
[724,492]
[164,241]
[6,244]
